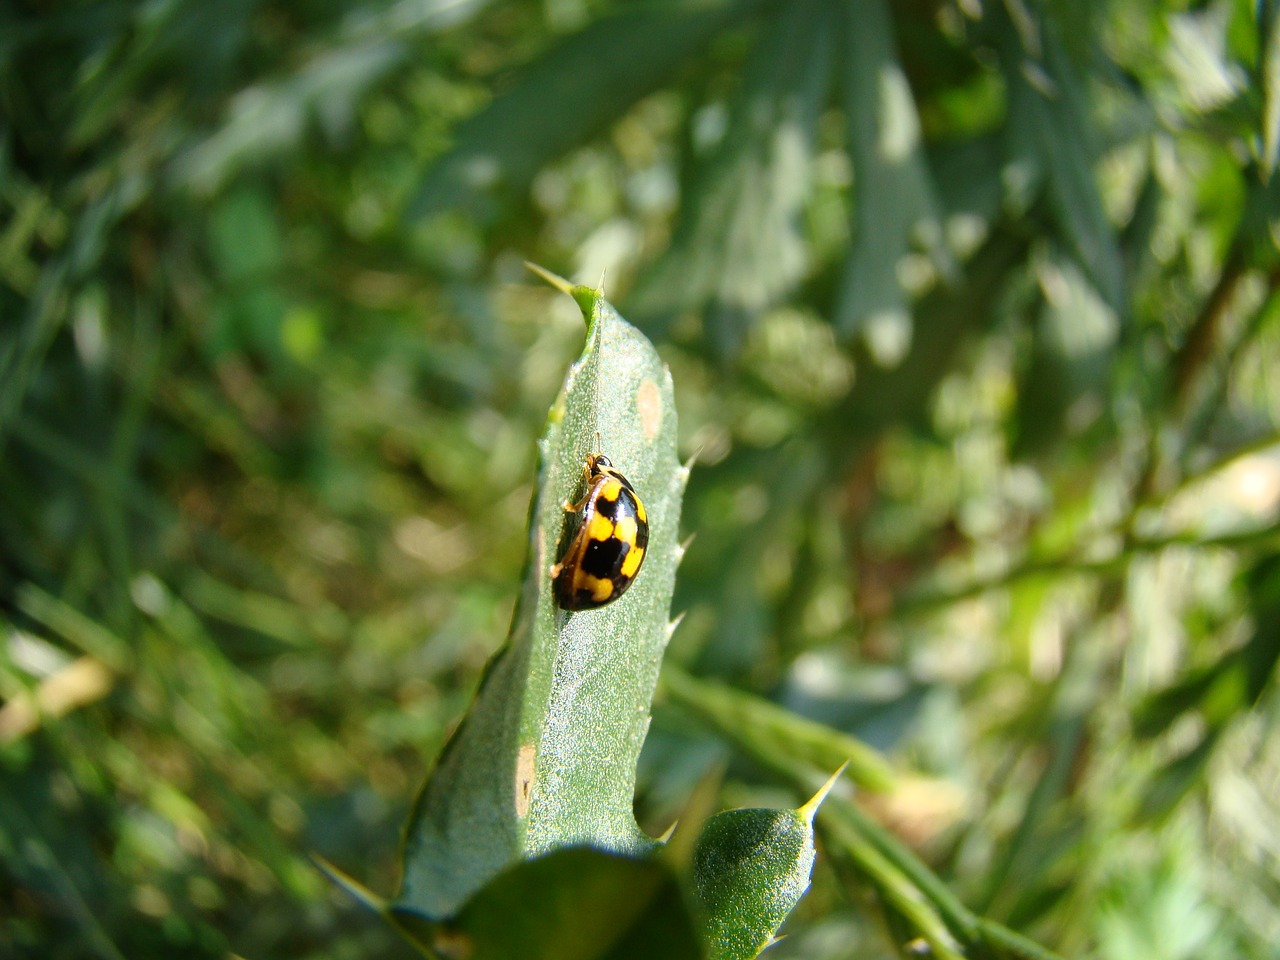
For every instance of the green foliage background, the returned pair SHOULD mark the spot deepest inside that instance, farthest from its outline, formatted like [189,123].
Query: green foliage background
[972,313]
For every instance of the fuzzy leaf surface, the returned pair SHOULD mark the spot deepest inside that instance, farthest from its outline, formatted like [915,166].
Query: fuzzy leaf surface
[750,869]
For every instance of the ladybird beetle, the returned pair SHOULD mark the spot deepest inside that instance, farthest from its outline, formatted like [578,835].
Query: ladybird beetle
[608,547]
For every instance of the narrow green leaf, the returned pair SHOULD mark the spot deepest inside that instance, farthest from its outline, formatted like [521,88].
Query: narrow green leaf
[751,719]
[893,192]
[739,245]
[750,869]
[547,756]
[570,94]
[858,845]
[50,855]
[352,886]
[1064,387]
[1177,779]
[1269,61]
[1158,711]
[273,116]
[72,625]
[882,397]
[1051,135]
[1261,653]
[24,342]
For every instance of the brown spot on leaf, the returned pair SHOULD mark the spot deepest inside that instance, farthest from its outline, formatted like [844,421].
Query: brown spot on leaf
[526,768]
[649,404]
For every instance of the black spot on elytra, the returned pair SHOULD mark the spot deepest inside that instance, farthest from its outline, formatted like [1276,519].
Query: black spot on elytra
[642,533]
[608,508]
[603,558]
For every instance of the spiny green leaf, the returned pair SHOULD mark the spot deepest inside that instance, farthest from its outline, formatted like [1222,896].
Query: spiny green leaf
[547,756]
[750,869]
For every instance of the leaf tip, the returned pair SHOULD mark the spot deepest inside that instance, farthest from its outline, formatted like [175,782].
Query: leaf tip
[350,884]
[584,296]
[810,809]
[554,279]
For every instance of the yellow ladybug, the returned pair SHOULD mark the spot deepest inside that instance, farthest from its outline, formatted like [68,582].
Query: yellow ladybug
[609,545]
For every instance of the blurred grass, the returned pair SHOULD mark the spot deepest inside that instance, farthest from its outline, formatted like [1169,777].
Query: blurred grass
[266,445]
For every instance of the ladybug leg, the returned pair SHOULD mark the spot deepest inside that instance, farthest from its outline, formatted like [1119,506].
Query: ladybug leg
[575,507]
[586,482]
